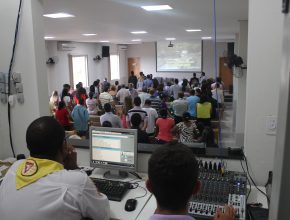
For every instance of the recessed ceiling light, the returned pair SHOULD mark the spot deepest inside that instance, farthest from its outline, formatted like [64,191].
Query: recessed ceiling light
[48,37]
[87,35]
[104,41]
[206,38]
[170,38]
[193,30]
[139,32]
[156,7]
[136,40]
[59,15]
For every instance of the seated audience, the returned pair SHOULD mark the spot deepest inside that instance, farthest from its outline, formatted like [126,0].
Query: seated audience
[173,180]
[155,101]
[144,96]
[179,106]
[203,111]
[92,104]
[152,117]
[135,124]
[186,130]
[122,93]
[53,102]
[41,187]
[110,117]
[62,116]
[163,128]
[137,109]
[80,116]
[192,101]
[105,97]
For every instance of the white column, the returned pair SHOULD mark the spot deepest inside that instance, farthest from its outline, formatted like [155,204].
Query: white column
[240,84]
[30,62]
[263,81]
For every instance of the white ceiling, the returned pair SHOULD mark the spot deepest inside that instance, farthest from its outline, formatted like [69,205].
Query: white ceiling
[113,20]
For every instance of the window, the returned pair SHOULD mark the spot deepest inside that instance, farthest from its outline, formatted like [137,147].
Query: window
[114,64]
[79,70]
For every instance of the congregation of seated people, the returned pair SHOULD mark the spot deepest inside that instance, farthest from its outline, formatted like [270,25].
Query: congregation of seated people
[161,110]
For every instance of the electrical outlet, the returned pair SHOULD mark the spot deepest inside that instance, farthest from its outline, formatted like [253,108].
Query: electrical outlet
[16,77]
[3,98]
[2,77]
[2,88]
[271,124]
[19,88]
[20,98]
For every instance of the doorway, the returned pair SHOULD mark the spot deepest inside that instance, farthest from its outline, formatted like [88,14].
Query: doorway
[134,65]
[78,68]
[226,74]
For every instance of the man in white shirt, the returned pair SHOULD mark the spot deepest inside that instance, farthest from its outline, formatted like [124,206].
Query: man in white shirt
[41,188]
[109,116]
[106,97]
[175,89]
[179,106]
[143,96]
[122,94]
[152,116]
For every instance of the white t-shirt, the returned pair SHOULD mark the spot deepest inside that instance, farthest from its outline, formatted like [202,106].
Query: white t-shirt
[63,195]
[122,94]
[152,116]
[105,97]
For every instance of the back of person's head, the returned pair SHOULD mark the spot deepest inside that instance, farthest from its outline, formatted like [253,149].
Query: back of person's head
[107,124]
[203,99]
[116,83]
[91,95]
[113,88]
[81,101]
[130,85]
[66,86]
[151,92]
[144,89]
[203,73]
[61,105]
[137,101]
[44,137]
[180,95]
[136,120]
[173,176]
[148,76]
[192,92]
[92,89]
[219,80]
[107,107]
[198,91]
[176,81]
[186,116]
[147,102]
[132,73]
[106,88]
[163,113]
[123,86]
[64,93]
[194,74]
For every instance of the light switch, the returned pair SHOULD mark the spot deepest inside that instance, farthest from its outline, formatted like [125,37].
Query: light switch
[271,124]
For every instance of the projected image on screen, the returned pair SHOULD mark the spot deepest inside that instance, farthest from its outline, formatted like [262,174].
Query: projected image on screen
[183,56]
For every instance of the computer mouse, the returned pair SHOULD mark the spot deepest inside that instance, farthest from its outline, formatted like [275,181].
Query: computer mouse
[130,205]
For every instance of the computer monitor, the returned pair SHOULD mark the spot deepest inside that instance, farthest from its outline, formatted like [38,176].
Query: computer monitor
[114,149]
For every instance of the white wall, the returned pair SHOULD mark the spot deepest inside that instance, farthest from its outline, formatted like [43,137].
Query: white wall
[263,81]
[58,74]
[147,53]
[30,62]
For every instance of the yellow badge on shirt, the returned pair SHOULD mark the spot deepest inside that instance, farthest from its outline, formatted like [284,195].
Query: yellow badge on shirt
[32,169]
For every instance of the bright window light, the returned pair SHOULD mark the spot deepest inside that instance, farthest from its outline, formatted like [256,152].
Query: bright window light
[136,40]
[104,41]
[48,37]
[87,35]
[206,38]
[170,38]
[156,7]
[193,30]
[59,15]
[115,67]
[139,32]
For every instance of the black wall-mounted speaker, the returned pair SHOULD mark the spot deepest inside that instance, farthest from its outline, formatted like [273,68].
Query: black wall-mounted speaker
[105,51]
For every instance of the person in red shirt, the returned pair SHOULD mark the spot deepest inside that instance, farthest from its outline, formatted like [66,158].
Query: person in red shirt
[163,128]
[62,115]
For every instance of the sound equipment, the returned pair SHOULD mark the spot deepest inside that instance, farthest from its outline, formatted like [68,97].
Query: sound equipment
[105,51]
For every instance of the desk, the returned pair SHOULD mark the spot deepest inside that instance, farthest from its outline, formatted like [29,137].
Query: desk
[117,208]
[254,197]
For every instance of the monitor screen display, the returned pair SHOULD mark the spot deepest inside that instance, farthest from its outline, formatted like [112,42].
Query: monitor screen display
[113,148]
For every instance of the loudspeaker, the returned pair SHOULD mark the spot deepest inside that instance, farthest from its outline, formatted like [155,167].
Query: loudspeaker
[231,49]
[105,51]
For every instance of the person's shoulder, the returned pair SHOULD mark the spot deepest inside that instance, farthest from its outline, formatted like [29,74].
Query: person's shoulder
[73,178]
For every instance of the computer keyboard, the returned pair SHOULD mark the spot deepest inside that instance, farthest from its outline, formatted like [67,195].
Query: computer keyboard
[114,190]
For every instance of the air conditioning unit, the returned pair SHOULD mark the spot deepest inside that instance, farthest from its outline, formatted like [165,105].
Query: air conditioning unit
[65,46]
[122,47]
